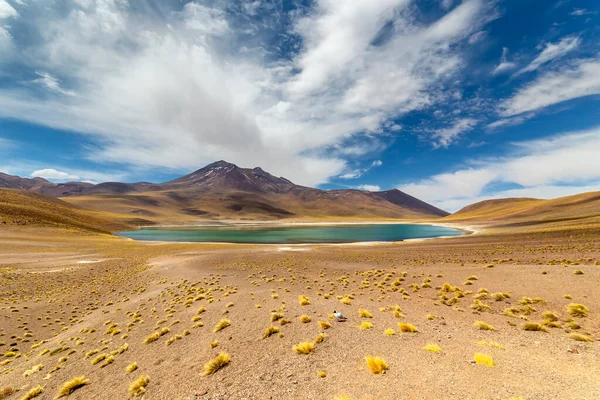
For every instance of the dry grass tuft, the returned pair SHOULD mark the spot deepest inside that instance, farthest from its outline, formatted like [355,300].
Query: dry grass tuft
[36,391]
[581,338]
[577,310]
[481,358]
[376,364]
[324,325]
[407,328]
[270,331]
[322,374]
[483,326]
[217,363]
[138,387]
[320,338]
[305,319]
[533,326]
[434,348]
[72,385]
[131,367]
[365,325]
[303,300]
[304,347]
[389,332]
[33,370]
[156,335]
[224,323]
[364,313]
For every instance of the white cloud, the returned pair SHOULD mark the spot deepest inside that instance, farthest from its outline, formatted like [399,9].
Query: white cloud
[370,188]
[504,65]
[580,79]
[377,163]
[559,165]
[51,83]
[578,12]
[446,136]
[173,89]
[6,10]
[553,51]
[509,121]
[50,173]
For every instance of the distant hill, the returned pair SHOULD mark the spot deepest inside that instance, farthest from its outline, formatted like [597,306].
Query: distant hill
[223,190]
[19,207]
[581,208]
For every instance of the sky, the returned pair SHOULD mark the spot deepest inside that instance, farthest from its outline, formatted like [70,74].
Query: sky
[451,101]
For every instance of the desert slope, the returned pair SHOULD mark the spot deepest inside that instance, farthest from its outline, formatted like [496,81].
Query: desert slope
[580,209]
[19,207]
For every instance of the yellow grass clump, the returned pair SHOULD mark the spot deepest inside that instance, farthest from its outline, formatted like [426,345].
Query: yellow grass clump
[156,335]
[270,331]
[36,391]
[533,326]
[322,374]
[69,387]
[324,325]
[432,347]
[224,323]
[407,328]
[364,313]
[481,358]
[304,347]
[389,332]
[581,338]
[320,338]
[483,326]
[365,325]
[33,370]
[577,310]
[131,367]
[138,387]
[217,363]
[214,344]
[376,364]
[305,319]
[303,300]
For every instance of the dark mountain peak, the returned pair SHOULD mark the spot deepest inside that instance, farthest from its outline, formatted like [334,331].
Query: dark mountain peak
[219,164]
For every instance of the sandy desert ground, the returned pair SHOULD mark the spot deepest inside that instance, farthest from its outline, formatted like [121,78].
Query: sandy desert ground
[75,305]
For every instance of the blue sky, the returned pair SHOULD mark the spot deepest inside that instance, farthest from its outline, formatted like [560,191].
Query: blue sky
[451,101]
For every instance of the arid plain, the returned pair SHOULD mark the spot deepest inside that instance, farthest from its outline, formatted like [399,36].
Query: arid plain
[507,313]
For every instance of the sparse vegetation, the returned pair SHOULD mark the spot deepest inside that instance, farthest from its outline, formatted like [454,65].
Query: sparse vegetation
[304,347]
[580,337]
[483,326]
[481,358]
[432,347]
[407,328]
[271,330]
[69,387]
[224,323]
[376,364]
[138,387]
[577,310]
[222,360]
[36,391]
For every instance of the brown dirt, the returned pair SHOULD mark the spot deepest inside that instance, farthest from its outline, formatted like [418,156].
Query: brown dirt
[157,281]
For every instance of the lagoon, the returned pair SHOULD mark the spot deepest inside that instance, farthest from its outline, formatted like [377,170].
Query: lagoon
[293,234]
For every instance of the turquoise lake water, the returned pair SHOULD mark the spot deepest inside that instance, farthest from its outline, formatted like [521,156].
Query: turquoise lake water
[293,234]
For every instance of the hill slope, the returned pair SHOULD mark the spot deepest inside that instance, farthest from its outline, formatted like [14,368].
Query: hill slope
[19,207]
[582,208]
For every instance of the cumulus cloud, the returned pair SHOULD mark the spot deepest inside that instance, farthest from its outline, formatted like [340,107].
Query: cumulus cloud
[553,51]
[50,173]
[158,87]
[370,188]
[559,165]
[6,10]
[581,78]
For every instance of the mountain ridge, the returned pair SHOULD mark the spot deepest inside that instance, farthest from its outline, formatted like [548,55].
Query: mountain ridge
[223,190]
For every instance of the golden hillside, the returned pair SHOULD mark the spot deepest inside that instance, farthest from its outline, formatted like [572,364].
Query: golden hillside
[19,207]
[580,209]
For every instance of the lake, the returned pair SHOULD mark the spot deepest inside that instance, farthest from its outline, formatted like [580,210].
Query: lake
[297,234]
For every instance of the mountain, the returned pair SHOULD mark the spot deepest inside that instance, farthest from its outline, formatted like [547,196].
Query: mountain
[20,207]
[15,182]
[580,209]
[223,190]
